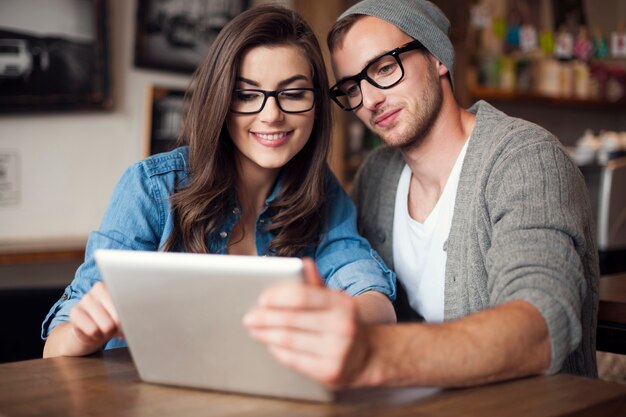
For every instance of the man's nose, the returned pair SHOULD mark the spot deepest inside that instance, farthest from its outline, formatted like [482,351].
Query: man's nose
[372,96]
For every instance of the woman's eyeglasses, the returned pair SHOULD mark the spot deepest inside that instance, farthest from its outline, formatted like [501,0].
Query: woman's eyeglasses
[289,100]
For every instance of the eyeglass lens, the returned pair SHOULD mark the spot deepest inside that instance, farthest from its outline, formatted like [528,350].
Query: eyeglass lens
[384,72]
[292,100]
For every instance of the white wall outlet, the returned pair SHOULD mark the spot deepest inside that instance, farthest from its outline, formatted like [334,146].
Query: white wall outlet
[9,177]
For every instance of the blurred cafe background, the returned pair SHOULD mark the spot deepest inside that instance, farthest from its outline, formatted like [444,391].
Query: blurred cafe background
[87,87]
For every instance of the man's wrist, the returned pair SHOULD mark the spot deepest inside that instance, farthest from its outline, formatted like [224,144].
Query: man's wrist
[366,370]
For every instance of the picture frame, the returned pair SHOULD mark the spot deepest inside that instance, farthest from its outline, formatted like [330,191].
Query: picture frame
[175,35]
[54,55]
[164,115]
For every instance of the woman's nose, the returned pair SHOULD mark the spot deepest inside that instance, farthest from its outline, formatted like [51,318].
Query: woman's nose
[271,113]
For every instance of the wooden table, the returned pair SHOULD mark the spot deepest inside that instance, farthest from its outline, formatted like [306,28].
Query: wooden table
[108,385]
[611,336]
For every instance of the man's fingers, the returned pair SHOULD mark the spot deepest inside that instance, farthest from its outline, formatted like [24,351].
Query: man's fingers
[311,274]
[317,321]
[328,345]
[305,342]
[298,296]
[267,317]
[319,368]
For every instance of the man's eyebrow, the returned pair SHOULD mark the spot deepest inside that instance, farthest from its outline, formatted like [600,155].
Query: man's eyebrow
[280,84]
[377,56]
[374,58]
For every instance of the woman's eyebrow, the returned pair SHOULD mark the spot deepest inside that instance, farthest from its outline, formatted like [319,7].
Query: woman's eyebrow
[248,81]
[282,83]
[292,79]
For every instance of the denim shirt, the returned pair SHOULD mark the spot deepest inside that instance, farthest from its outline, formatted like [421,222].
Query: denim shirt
[139,217]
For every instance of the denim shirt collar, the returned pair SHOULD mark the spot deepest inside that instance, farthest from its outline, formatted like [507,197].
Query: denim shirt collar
[275,189]
[218,241]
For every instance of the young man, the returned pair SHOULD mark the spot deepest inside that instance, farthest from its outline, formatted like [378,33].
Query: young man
[484,218]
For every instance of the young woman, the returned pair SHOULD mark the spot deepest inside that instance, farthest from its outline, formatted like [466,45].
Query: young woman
[252,180]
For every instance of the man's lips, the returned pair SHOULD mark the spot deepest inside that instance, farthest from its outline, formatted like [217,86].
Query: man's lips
[387,118]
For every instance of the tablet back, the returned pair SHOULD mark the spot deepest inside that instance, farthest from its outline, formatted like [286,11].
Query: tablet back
[181,315]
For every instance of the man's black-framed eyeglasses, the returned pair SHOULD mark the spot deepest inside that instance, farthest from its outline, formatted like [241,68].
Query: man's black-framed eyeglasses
[382,72]
[289,100]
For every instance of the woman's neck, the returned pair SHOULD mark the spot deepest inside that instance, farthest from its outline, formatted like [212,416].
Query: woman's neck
[253,186]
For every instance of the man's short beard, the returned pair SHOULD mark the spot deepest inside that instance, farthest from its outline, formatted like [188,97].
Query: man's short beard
[430,103]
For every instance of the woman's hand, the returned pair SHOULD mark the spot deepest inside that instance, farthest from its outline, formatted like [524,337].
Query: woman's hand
[93,322]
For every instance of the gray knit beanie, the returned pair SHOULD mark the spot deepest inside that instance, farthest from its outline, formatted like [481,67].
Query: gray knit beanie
[420,19]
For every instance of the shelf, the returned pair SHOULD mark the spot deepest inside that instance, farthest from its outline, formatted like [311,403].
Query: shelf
[42,251]
[492,94]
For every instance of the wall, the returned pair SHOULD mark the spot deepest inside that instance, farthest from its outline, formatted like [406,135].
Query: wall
[70,162]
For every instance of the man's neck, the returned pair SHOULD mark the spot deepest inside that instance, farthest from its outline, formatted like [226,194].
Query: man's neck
[432,161]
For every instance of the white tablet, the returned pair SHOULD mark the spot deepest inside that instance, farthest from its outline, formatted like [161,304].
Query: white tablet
[182,318]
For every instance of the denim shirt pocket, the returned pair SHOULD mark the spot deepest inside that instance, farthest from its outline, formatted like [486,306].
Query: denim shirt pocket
[56,308]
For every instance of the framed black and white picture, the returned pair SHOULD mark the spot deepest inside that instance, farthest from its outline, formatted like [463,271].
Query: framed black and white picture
[54,55]
[165,110]
[175,35]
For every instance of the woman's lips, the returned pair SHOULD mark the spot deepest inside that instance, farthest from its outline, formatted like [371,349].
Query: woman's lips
[272,139]
[386,119]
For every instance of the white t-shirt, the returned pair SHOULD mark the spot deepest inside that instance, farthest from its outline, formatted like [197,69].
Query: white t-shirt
[419,252]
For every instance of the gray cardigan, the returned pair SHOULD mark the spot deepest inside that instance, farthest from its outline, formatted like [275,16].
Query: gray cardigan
[522,229]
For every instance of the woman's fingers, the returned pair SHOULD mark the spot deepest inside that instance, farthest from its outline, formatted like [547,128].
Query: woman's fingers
[101,293]
[84,327]
[94,318]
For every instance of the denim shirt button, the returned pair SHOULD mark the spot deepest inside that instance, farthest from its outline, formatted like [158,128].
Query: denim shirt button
[236,212]
[223,235]
[262,221]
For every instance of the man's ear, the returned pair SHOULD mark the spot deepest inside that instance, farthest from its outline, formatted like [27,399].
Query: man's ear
[443,70]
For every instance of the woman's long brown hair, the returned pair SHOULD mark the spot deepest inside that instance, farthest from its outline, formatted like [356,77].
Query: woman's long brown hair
[299,213]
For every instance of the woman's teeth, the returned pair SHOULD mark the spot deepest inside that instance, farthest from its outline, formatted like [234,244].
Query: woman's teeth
[272,136]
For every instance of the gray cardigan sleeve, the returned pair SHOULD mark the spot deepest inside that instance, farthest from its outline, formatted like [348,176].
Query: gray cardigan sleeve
[538,208]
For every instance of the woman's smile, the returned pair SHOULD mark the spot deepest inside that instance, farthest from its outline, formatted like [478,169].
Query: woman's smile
[272,139]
